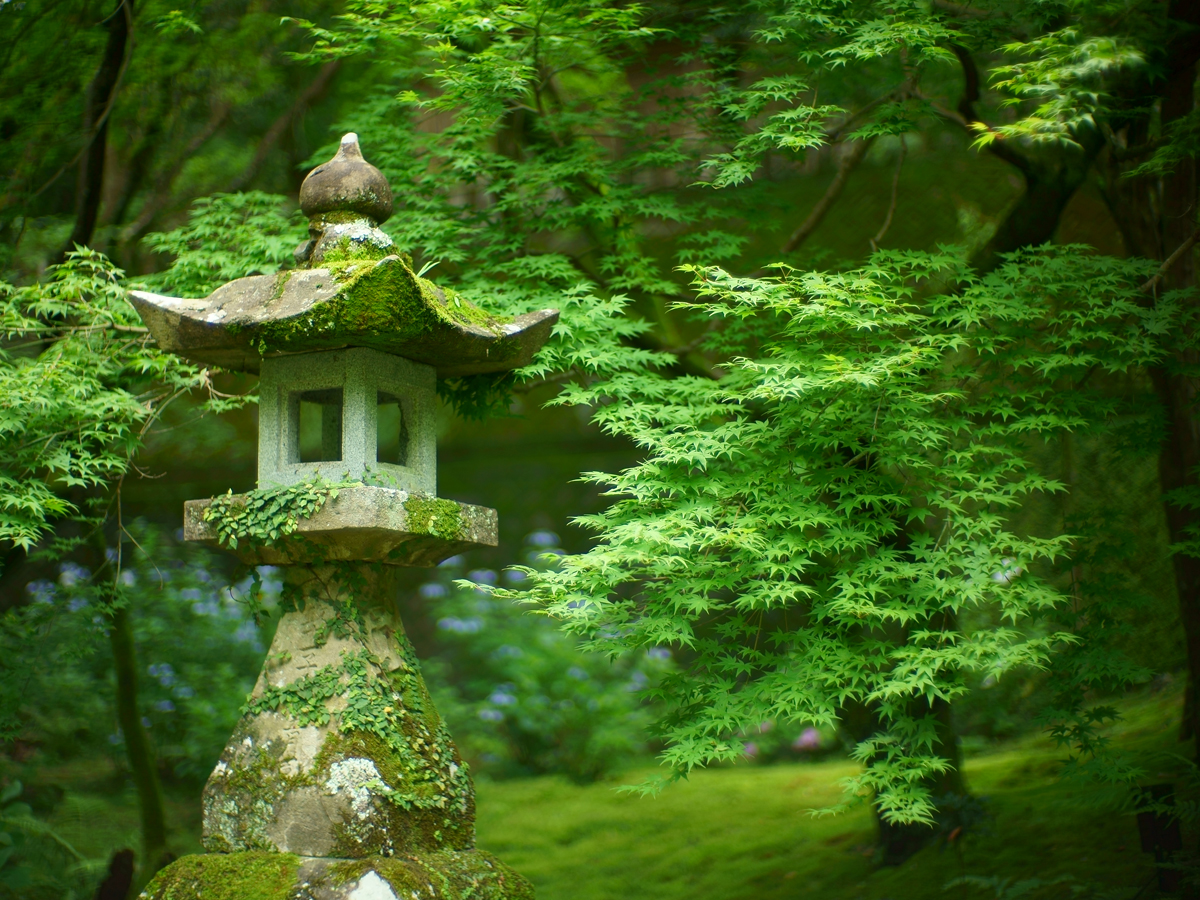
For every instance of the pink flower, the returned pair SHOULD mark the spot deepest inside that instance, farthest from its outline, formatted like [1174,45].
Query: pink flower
[809,739]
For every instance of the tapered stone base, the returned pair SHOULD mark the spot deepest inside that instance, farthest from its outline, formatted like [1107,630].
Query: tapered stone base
[339,752]
[262,875]
[341,781]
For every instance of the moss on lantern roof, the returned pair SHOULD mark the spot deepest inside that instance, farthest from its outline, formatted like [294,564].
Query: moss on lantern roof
[354,290]
[352,300]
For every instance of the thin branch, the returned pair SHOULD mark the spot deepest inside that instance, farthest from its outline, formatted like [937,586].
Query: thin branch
[104,89]
[966,12]
[100,123]
[968,119]
[685,349]
[858,115]
[1124,154]
[557,378]
[887,222]
[847,164]
[162,185]
[1170,261]
[311,93]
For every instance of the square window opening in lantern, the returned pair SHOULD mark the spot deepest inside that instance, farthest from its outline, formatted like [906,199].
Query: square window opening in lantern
[320,426]
[391,436]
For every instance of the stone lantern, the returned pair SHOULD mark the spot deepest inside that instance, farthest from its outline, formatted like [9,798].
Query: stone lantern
[341,780]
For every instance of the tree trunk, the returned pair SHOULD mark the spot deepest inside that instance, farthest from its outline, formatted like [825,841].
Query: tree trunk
[1050,183]
[1180,454]
[895,843]
[1157,215]
[140,754]
[1052,175]
[97,106]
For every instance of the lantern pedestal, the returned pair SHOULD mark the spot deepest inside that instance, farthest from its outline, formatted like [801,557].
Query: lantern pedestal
[340,779]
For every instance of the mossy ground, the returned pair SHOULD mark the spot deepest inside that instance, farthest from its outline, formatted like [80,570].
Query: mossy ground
[745,833]
[740,833]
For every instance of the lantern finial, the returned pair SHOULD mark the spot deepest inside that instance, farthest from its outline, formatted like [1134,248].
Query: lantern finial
[347,184]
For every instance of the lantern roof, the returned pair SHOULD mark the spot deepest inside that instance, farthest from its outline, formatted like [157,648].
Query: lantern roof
[352,288]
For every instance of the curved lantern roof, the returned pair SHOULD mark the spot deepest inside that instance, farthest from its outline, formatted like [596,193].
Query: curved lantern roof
[353,289]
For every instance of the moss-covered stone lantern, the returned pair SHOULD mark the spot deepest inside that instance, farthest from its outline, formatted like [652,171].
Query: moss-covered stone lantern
[341,781]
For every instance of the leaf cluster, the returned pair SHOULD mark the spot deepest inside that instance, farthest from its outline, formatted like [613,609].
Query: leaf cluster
[81,381]
[809,531]
[266,515]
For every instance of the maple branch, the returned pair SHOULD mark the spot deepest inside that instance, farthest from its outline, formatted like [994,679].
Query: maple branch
[847,164]
[1170,261]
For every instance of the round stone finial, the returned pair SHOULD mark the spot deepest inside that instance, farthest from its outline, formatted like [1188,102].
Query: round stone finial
[347,183]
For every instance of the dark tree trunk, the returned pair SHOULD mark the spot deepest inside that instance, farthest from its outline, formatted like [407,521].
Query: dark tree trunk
[1180,454]
[895,843]
[1050,183]
[1157,215]
[1051,175]
[97,106]
[119,880]
[142,763]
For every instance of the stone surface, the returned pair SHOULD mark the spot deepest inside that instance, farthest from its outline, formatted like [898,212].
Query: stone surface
[367,523]
[365,302]
[333,236]
[360,375]
[340,751]
[444,875]
[347,183]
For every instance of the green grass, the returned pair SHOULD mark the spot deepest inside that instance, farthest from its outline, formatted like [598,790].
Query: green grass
[746,831]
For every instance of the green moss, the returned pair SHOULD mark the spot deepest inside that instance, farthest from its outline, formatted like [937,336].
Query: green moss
[347,250]
[379,305]
[281,280]
[455,309]
[252,875]
[451,875]
[390,719]
[429,515]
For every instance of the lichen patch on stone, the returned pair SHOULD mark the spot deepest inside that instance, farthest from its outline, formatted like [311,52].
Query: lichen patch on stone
[354,777]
